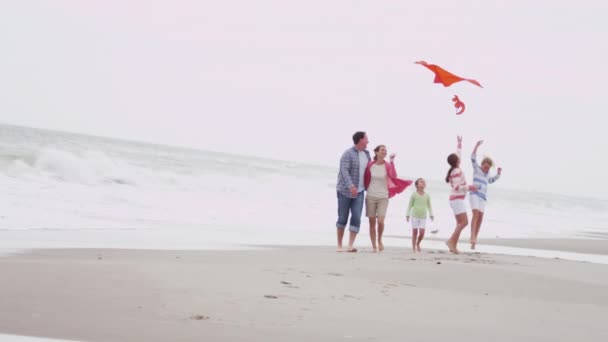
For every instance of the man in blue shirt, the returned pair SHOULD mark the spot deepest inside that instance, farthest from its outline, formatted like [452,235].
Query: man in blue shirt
[350,188]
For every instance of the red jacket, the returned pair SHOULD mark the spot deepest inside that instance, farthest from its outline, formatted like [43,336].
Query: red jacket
[395,185]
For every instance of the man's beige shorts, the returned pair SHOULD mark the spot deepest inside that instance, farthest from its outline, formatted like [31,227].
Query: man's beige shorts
[375,207]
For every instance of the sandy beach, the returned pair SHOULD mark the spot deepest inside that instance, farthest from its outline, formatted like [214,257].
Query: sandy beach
[597,246]
[300,294]
[177,171]
[586,246]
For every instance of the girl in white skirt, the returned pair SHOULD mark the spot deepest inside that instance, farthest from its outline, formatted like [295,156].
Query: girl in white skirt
[481,180]
[457,181]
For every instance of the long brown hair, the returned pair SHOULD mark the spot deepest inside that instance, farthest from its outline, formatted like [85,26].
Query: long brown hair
[376,151]
[453,161]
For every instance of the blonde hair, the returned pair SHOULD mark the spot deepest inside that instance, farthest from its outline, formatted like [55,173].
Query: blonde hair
[488,160]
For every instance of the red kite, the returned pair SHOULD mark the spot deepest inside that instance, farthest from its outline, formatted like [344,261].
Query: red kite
[444,77]
[460,107]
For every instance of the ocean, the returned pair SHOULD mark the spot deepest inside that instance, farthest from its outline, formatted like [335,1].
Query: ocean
[64,190]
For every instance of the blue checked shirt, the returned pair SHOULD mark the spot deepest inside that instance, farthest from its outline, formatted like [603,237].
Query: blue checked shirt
[349,174]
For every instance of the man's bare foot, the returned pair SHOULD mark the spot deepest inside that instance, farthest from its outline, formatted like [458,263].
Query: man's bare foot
[473,245]
[339,249]
[375,250]
[380,246]
[413,250]
[418,248]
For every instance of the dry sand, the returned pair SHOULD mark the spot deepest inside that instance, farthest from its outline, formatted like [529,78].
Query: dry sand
[300,294]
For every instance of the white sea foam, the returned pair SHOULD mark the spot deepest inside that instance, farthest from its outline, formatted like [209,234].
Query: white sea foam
[67,190]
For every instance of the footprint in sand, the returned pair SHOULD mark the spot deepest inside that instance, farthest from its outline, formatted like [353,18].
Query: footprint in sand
[334,274]
[351,297]
[199,317]
[289,285]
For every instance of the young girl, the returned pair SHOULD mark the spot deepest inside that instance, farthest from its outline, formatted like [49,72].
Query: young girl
[478,198]
[381,182]
[420,203]
[457,181]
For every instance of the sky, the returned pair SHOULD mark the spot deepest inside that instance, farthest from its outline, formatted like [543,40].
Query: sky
[294,80]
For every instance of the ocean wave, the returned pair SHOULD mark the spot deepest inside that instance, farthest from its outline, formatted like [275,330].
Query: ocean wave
[87,167]
[59,180]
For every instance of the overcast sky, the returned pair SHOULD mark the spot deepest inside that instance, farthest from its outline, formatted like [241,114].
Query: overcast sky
[294,79]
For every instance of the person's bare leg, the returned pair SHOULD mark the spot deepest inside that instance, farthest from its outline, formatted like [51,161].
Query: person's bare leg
[479,220]
[351,241]
[372,232]
[380,232]
[420,237]
[474,220]
[414,239]
[340,238]
[464,221]
[461,222]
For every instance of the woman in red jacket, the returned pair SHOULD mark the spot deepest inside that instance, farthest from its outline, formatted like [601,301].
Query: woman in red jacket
[381,183]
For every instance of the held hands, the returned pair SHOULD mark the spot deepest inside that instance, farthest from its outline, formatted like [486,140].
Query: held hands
[472,188]
[353,190]
[459,139]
